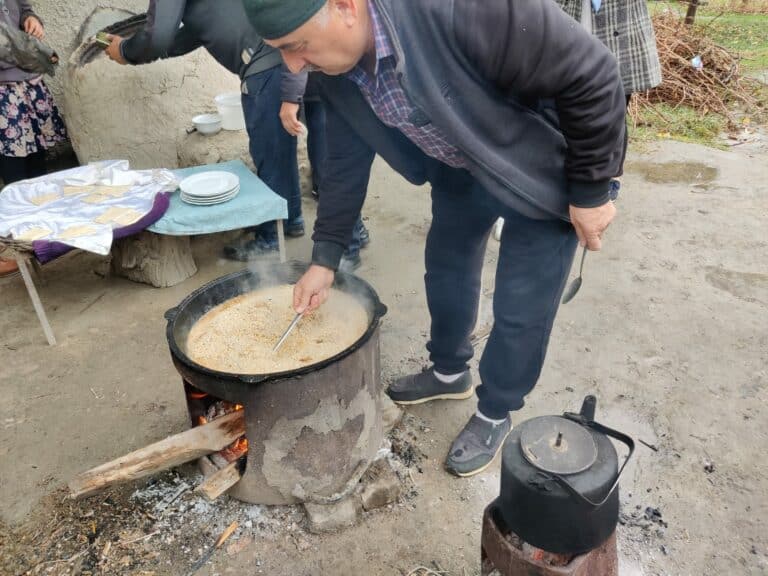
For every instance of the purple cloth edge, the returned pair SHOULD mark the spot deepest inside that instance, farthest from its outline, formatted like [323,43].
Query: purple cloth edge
[46,251]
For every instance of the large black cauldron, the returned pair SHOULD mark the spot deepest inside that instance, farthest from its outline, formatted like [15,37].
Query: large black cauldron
[312,431]
[229,386]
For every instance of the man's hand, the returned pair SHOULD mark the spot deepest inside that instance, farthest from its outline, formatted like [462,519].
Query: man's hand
[590,223]
[289,116]
[312,289]
[34,27]
[113,50]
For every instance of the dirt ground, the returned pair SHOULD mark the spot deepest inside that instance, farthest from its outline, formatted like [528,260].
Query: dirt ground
[669,331]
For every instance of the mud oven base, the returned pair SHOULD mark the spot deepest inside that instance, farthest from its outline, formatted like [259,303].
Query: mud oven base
[309,438]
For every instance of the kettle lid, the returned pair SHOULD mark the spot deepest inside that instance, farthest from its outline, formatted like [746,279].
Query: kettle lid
[557,445]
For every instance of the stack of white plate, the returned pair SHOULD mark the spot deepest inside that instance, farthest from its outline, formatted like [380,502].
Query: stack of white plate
[207,188]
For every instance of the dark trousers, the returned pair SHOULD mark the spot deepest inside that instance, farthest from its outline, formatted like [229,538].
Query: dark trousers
[314,115]
[273,150]
[13,169]
[535,257]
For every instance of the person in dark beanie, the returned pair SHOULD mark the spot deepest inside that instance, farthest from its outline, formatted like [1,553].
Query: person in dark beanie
[508,109]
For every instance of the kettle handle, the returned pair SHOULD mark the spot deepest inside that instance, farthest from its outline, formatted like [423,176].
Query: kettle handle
[621,437]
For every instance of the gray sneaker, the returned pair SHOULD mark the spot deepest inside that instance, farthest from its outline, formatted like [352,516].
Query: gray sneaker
[476,446]
[423,387]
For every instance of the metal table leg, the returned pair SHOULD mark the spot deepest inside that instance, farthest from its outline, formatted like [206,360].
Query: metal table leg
[281,240]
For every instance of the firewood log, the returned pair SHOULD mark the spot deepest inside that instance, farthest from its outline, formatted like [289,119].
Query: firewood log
[167,453]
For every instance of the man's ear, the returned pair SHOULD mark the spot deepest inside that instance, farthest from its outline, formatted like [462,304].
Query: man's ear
[347,10]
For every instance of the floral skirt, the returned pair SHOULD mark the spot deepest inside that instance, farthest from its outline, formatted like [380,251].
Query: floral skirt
[29,120]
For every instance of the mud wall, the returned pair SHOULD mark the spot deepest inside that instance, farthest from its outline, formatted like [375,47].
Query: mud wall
[64,19]
[140,113]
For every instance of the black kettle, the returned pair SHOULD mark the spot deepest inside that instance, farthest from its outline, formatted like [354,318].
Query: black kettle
[560,481]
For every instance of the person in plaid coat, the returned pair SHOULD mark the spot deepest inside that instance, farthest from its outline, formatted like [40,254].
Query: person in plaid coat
[625,27]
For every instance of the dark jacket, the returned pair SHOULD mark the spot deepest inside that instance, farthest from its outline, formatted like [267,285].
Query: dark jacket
[532,100]
[301,87]
[18,12]
[177,27]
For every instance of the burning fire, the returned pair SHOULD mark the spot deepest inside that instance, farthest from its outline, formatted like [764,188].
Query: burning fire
[236,450]
[239,447]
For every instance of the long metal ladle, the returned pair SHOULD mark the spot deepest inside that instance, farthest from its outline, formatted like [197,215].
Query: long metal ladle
[574,286]
[287,333]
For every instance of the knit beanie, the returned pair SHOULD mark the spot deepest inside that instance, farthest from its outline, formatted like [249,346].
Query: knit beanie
[276,18]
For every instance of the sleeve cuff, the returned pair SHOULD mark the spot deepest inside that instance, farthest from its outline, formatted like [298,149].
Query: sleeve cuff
[588,194]
[327,254]
[122,51]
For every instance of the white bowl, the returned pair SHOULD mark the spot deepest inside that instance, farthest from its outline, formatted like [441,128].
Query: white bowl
[207,123]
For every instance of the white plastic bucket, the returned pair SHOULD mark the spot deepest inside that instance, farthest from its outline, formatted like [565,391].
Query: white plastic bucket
[231,111]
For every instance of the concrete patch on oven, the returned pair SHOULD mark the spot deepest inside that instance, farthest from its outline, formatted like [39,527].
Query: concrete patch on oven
[313,455]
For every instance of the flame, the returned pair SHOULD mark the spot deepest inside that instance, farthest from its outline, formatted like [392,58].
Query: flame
[198,395]
[235,450]
[241,444]
[239,447]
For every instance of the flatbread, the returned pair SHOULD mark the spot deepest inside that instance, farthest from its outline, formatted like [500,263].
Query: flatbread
[99,189]
[34,233]
[77,231]
[45,198]
[96,198]
[113,191]
[120,216]
[75,190]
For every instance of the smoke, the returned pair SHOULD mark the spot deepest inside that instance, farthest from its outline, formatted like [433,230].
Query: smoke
[269,272]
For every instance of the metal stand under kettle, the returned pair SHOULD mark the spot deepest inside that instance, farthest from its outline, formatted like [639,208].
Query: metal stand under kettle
[560,481]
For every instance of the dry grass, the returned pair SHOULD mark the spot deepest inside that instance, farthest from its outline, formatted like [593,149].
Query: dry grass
[736,6]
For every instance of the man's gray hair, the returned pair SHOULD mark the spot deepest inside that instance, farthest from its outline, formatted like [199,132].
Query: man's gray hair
[323,16]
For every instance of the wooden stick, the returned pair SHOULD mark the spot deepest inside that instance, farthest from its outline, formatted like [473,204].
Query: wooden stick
[207,556]
[226,534]
[167,453]
[219,482]
[281,240]
[36,303]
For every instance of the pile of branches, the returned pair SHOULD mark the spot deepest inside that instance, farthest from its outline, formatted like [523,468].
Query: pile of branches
[715,87]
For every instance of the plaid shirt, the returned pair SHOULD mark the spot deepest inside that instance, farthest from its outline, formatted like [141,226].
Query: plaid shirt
[388,100]
[625,27]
